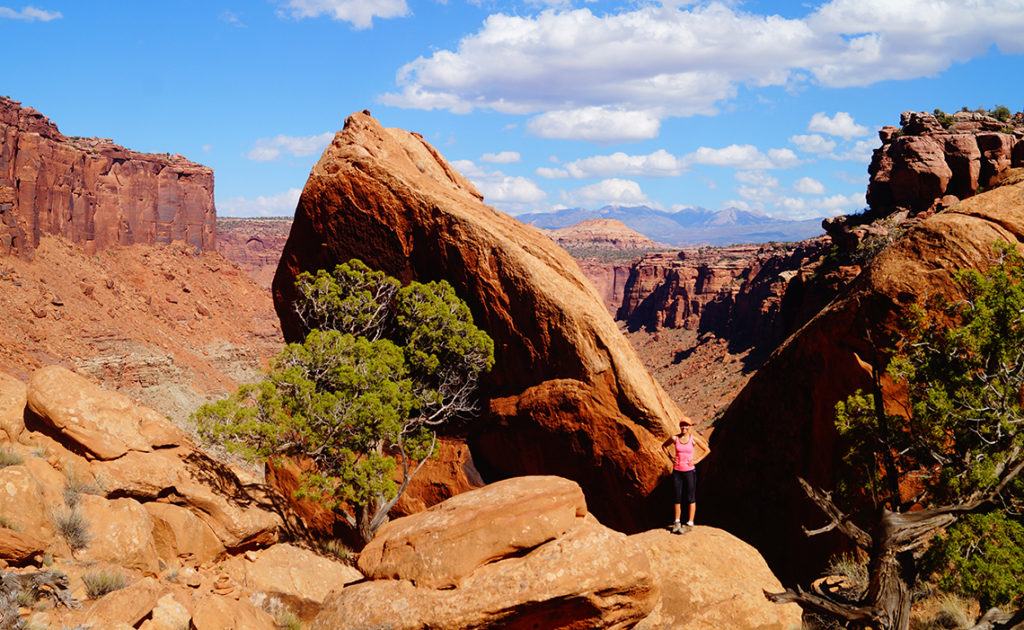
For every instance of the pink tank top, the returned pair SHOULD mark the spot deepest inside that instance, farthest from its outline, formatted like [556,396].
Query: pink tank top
[684,455]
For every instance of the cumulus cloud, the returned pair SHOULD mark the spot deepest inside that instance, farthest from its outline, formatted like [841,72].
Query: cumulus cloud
[809,208]
[30,14]
[661,163]
[757,178]
[597,124]
[614,192]
[744,156]
[282,204]
[809,186]
[860,151]
[359,13]
[682,58]
[841,125]
[513,194]
[273,149]
[505,157]
[813,143]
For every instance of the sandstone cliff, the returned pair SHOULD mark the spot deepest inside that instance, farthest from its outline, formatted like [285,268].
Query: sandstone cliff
[568,395]
[254,245]
[926,160]
[738,293]
[781,426]
[94,192]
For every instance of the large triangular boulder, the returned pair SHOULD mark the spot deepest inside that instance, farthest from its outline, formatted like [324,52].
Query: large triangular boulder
[568,395]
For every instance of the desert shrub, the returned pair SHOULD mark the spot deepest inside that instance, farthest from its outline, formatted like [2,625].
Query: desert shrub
[946,120]
[852,568]
[75,487]
[337,549]
[288,620]
[981,556]
[73,527]
[10,458]
[1001,113]
[7,523]
[99,583]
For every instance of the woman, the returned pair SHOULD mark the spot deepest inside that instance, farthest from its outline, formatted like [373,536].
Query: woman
[684,475]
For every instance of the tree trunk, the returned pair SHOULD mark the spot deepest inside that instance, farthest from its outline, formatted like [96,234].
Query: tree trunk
[889,589]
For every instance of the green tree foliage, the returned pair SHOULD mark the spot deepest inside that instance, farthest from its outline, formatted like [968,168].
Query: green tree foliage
[981,556]
[1001,113]
[381,366]
[942,440]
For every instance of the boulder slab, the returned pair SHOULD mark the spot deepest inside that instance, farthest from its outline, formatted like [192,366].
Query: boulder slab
[439,547]
[569,396]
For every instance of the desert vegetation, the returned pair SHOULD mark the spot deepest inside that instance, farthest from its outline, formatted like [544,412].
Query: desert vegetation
[381,366]
[937,447]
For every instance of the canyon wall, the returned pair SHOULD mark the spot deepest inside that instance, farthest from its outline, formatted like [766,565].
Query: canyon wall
[93,192]
[254,244]
[735,292]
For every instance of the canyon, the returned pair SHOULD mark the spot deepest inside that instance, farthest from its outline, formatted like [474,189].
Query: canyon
[161,306]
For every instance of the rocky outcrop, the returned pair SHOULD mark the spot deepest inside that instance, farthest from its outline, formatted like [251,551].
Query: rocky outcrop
[924,160]
[603,235]
[94,192]
[609,278]
[253,244]
[569,395]
[192,539]
[569,572]
[737,293]
[781,426]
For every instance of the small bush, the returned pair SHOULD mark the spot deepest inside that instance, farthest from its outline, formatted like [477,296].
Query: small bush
[853,569]
[40,451]
[10,458]
[288,620]
[6,523]
[99,583]
[26,598]
[75,487]
[1001,113]
[952,612]
[946,120]
[72,526]
[338,550]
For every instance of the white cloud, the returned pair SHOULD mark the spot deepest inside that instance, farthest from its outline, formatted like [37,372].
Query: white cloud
[282,204]
[513,194]
[813,143]
[744,156]
[809,208]
[30,14]
[860,152]
[661,163]
[273,149]
[841,125]
[809,186]
[505,157]
[359,12]
[597,124]
[756,178]
[684,58]
[614,192]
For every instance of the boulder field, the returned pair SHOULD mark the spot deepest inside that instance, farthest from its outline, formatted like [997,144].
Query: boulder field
[568,395]
[199,544]
[781,425]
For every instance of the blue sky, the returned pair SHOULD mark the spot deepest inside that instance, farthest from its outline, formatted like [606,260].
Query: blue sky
[769,106]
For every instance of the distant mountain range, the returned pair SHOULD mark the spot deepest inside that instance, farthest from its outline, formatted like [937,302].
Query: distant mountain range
[687,227]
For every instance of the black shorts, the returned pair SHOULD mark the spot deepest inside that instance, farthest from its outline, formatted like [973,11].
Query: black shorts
[685,481]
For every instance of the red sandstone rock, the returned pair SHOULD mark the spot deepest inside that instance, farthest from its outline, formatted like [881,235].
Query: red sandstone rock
[253,244]
[93,191]
[588,579]
[18,547]
[569,395]
[711,580]
[781,426]
[926,161]
[437,548]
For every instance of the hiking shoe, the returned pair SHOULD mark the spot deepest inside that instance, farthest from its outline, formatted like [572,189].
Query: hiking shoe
[677,528]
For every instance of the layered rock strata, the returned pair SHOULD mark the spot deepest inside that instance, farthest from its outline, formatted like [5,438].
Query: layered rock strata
[788,407]
[568,395]
[923,161]
[737,293]
[94,192]
[254,244]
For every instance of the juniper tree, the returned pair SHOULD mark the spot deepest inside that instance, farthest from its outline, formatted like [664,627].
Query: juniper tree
[942,440]
[381,366]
